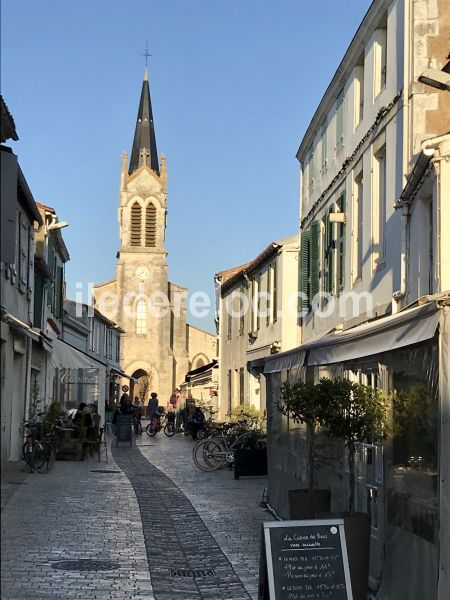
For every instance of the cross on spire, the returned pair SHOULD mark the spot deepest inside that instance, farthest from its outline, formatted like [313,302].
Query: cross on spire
[146,53]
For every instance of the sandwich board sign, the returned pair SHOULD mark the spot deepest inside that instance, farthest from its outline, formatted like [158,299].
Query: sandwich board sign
[307,560]
[123,429]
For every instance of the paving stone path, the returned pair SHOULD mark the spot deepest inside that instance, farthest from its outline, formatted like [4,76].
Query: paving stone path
[229,508]
[73,514]
[179,545]
[171,530]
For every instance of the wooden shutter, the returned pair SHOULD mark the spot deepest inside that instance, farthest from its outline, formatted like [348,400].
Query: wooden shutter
[136,219]
[304,264]
[329,254]
[150,226]
[341,247]
[314,282]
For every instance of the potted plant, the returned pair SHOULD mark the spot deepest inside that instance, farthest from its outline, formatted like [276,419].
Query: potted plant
[356,413]
[305,403]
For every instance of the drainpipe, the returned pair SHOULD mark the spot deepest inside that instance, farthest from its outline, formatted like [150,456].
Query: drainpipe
[401,293]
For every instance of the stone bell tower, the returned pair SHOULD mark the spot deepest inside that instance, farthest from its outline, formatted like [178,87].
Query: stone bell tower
[154,343]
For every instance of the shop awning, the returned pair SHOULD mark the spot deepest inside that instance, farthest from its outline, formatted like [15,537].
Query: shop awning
[285,361]
[121,373]
[405,328]
[67,357]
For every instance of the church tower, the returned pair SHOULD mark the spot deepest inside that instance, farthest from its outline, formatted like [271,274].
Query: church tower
[150,309]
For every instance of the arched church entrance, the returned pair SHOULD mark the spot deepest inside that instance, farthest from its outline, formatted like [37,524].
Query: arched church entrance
[143,381]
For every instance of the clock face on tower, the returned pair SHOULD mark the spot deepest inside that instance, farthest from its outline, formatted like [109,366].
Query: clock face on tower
[142,273]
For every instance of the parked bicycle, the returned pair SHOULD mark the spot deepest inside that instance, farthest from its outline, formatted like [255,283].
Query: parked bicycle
[40,454]
[158,423]
[218,452]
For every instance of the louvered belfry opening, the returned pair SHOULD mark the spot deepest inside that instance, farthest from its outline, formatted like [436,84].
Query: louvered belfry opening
[136,221]
[150,226]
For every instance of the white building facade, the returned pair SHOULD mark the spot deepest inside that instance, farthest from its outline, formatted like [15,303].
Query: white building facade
[257,318]
[374,283]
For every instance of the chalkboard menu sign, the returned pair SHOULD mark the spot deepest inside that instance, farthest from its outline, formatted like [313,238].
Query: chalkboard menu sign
[123,429]
[307,560]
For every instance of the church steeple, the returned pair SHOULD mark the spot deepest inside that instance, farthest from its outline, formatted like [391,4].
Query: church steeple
[144,150]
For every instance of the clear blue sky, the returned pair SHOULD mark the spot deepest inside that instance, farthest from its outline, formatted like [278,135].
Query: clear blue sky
[234,86]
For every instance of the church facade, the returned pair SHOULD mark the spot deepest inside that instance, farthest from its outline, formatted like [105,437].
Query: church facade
[158,347]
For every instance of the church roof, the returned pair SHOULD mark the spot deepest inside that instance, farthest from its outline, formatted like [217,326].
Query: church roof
[144,135]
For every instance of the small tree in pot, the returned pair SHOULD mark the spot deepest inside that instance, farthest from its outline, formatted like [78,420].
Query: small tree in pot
[356,413]
[303,403]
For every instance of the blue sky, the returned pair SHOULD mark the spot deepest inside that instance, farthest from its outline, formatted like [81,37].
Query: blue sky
[234,86]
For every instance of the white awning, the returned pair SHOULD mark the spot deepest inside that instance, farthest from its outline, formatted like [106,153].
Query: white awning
[285,361]
[67,357]
[405,328]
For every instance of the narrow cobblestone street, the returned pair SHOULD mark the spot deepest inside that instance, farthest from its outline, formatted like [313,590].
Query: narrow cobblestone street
[154,517]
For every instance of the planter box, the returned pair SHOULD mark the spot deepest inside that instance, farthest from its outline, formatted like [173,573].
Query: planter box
[250,462]
[305,504]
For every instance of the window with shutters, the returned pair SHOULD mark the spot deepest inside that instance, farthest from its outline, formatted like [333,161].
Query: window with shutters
[241,386]
[329,254]
[275,292]
[242,309]
[379,206]
[59,292]
[380,54]
[357,227]
[323,145]
[311,170]
[136,225]
[359,92]
[340,119]
[255,304]
[340,247]
[229,309]
[310,266]
[141,316]
[150,226]
[229,391]
[304,275]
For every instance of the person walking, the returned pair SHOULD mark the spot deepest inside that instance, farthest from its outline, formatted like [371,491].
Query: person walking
[137,414]
[124,398]
[153,404]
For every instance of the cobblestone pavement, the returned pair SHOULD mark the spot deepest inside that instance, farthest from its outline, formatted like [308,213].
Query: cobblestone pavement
[229,508]
[72,513]
[176,520]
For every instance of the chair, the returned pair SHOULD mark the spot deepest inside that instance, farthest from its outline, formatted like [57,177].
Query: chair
[109,428]
[92,447]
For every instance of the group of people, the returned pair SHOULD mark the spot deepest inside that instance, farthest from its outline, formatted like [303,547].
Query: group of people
[189,419]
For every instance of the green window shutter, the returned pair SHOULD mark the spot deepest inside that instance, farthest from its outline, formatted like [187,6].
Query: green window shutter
[341,246]
[315,260]
[304,265]
[329,254]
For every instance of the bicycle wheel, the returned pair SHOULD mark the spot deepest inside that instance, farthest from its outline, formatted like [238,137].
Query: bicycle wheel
[48,458]
[199,456]
[209,454]
[27,455]
[169,429]
[150,430]
[39,456]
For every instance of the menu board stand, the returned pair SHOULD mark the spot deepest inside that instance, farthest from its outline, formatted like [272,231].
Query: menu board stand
[305,560]
[123,429]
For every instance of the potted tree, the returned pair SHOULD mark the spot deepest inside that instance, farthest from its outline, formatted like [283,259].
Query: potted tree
[356,413]
[305,403]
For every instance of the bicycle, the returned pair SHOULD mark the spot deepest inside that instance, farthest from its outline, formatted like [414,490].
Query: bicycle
[40,455]
[218,452]
[31,445]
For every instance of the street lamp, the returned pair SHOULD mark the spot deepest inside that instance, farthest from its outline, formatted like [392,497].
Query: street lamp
[437,79]
[58,225]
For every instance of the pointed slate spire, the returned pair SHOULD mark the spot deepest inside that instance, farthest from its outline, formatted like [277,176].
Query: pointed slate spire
[144,150]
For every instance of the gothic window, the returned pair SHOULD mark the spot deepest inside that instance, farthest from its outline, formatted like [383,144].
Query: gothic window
[136,219]
[150,226]
[141,316]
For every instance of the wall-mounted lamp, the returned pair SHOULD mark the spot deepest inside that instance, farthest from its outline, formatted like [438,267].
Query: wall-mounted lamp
[435,78]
